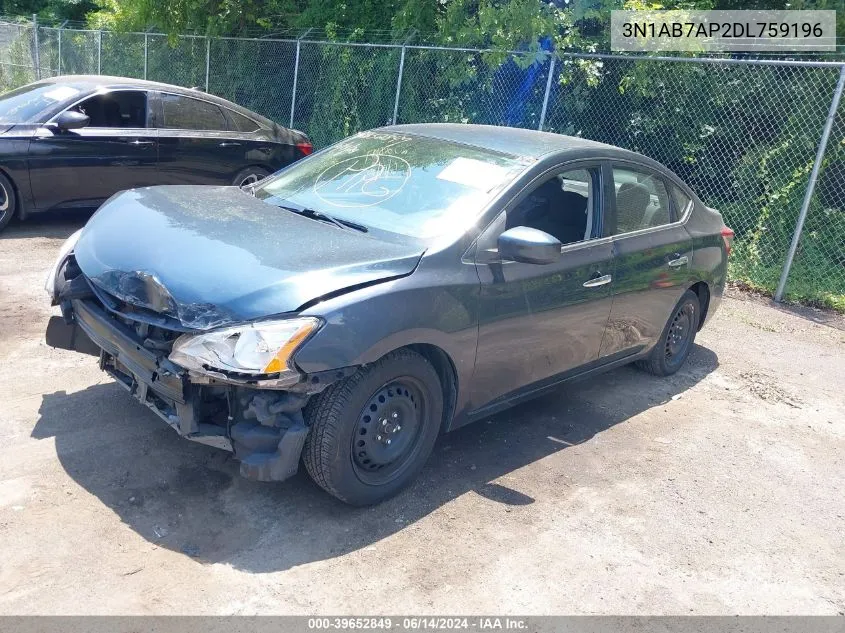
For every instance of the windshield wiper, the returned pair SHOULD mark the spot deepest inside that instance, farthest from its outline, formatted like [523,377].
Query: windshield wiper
[325,217]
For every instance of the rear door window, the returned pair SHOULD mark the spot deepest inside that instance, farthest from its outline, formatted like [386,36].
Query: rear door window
[186,113]
[642,201]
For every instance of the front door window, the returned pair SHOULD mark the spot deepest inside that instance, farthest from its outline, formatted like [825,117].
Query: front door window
[562,206]
[121,109]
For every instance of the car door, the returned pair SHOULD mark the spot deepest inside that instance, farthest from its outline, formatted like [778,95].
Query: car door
[651,251]
[117,150]
[198,143]
[540,322]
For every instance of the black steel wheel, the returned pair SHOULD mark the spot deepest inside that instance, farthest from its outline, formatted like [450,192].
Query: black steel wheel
[8,201]
[680,334]
[372,432]
[677,338]
[388,430]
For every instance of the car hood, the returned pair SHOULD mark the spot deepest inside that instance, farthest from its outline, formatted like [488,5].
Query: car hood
[211,256]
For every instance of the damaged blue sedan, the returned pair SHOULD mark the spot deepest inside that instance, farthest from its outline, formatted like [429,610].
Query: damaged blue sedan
[398,284]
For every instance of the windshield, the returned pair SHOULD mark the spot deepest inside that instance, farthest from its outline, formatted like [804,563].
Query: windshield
[412,185]
[25,104]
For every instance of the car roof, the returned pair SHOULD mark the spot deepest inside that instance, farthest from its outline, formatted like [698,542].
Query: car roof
[531,144]
[507,140]
[92,83]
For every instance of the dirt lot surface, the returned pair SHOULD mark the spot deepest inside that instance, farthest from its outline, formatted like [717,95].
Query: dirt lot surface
[719,490]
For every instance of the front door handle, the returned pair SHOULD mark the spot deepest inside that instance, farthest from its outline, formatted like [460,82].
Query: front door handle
[678,261]
[229,144]
[598,281]
[138,141]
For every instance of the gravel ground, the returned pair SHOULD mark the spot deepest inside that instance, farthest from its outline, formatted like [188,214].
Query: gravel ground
[719,490]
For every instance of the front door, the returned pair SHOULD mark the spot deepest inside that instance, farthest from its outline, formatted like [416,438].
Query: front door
[538,322]
[652,252]
[115,151]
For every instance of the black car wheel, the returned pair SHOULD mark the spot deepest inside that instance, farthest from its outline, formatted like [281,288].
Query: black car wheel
[372,432]
[8,201]
[250,176]
[677,338]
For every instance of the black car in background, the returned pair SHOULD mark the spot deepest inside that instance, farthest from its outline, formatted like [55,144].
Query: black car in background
[403,282]
[73,141]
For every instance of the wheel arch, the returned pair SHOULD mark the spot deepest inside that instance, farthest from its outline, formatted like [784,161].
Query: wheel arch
[448,375]
[702,290]
[262,166]
[19,212]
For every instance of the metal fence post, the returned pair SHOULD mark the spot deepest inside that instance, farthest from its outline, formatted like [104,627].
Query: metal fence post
[811,184]
[207,60]
[37,51]
[548,92]
[146,40]
[399,85]
[295,79]
[60,50]
[100,52]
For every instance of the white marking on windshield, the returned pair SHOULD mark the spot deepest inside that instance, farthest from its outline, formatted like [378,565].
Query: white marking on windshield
[362,181]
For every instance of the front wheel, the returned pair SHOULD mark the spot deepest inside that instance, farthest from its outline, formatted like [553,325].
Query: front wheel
[8,201]
[677,338]
[372,433]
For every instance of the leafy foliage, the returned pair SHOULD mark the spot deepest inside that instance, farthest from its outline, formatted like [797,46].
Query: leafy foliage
[743,137]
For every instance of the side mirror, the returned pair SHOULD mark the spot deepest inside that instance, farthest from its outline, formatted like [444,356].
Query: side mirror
[529,246]
[72,120]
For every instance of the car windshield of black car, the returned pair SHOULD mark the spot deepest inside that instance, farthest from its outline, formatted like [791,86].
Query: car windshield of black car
[26,103]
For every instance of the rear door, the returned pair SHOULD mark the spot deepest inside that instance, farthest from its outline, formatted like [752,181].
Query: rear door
[198,142]
[652,252]
[117,150]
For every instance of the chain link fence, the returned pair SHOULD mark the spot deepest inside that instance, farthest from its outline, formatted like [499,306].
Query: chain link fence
[743,133]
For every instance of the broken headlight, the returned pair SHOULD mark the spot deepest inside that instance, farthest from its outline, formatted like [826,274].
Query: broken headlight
[257,349]
[64,251]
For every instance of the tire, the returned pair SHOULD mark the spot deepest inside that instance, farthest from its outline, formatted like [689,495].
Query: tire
[8,201]
[677,338]
[249,176]
[372,433]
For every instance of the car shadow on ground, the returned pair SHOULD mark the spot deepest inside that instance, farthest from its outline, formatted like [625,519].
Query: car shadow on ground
[51,224]
[189,498]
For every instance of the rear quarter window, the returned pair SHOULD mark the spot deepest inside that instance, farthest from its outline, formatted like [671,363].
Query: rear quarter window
[642,201]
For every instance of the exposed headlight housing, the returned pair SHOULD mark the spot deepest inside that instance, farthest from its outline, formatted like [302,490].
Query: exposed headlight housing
[258,349]
[64,251]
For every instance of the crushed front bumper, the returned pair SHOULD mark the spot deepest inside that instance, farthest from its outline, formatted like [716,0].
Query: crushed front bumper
[265,429]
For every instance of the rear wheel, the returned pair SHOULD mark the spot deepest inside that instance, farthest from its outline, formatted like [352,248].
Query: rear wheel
[250,176]
[8,201]
[676,341]
[372,432]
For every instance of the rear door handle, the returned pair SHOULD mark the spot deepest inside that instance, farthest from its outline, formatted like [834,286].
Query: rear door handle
[678,261]
[598,281]
[138,141]
[229,144]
